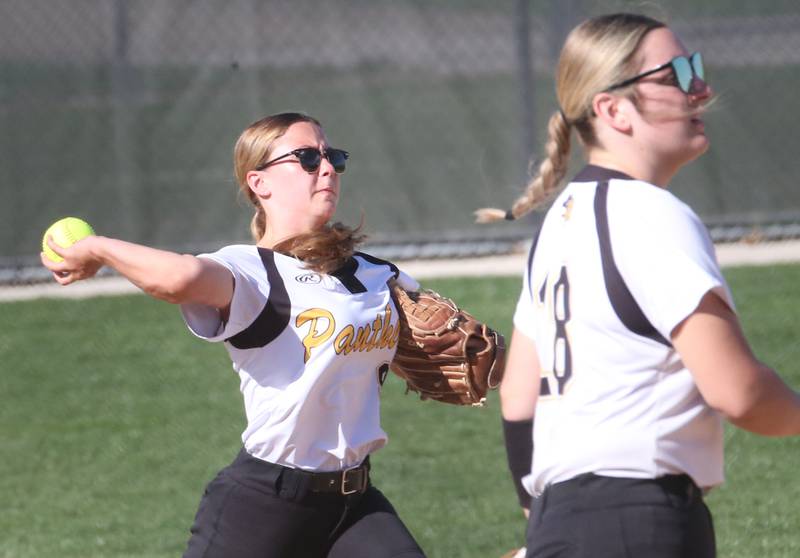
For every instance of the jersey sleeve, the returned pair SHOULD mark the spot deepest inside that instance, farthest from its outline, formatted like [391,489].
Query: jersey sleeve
[666,257]
[250,293]
[378,267]
[406,281]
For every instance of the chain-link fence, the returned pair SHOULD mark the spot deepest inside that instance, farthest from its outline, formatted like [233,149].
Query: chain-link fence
[124,112]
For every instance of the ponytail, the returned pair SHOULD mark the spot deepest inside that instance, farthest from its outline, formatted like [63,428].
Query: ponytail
[258,224]
[597,53]
[545,184]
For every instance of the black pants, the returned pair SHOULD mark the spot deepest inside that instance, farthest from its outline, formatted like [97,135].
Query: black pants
[254,509]
[604,517]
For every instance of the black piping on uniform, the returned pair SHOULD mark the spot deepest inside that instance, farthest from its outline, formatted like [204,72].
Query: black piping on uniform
[530,260]
[593,173]
[625,306]
[347,276]
[276,314]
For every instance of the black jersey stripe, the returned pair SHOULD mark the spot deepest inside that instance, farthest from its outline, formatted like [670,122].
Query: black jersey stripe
[593,173]
[530,261]
[625,306]
[276,314]
[347,276]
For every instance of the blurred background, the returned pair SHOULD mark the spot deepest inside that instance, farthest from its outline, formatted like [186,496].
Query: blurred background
[125,112]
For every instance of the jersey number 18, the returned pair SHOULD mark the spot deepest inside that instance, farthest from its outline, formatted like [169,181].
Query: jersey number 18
[555,298]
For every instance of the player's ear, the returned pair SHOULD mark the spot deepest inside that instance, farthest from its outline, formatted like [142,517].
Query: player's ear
[258,184]
[613,111]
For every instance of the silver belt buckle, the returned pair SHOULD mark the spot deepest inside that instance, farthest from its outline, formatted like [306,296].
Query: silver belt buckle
[360,487]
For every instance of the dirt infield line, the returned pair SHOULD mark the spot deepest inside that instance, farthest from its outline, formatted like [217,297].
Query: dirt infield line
[766,253]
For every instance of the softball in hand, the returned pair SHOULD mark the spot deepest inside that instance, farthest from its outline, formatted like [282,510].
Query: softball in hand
[65,232]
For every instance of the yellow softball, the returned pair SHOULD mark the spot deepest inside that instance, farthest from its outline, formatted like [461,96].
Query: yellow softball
[65,232]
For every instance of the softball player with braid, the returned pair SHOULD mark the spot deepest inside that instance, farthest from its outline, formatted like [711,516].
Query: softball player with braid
[310,327]
[626,346]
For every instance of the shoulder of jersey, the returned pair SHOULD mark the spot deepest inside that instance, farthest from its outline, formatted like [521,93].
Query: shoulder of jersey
[640,189]
[238,251]
[373,261]
[643,195]
[650,214]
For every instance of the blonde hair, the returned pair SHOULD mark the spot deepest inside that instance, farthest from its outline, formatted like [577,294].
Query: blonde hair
[323,250]
[597,53]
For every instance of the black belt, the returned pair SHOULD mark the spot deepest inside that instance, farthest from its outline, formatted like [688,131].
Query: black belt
[605,490]
[349,481]
[251,470]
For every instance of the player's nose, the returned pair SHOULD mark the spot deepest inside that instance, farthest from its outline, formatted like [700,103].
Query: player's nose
[325,167]
[700,90]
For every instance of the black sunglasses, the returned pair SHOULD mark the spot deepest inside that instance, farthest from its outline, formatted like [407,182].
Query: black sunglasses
[684,69]
[310,158]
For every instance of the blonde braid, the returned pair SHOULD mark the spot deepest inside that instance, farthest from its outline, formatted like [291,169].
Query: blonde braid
[546,181]
[597,53]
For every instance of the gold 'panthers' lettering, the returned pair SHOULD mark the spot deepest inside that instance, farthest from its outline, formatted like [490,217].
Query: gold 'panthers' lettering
[390,333]
[378,334]
[362,339]
[314,338]
[342,342]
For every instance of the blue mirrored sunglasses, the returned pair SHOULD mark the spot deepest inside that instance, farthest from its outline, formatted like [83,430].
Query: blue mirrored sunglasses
[684,69]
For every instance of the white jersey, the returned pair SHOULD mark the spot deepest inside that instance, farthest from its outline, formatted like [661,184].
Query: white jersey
[311,351]
[617,265]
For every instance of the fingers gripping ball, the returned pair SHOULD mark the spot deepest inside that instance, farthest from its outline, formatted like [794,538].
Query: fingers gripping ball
[65,232]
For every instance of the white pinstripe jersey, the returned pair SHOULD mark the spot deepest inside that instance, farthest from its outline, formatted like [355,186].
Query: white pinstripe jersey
[617,265]
[311,351]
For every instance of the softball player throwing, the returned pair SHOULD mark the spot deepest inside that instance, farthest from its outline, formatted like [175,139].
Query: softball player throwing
[310,327]
[626,344]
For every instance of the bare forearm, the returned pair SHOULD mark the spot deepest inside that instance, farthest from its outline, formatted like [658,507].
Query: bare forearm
[150,269]
[519,389]
[773,408]
[165,275]
[730,378]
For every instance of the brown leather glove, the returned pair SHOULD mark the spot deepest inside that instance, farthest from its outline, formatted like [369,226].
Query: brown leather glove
[443,353]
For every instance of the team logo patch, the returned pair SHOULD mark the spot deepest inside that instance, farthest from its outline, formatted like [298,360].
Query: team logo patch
[308,278]
[566,212]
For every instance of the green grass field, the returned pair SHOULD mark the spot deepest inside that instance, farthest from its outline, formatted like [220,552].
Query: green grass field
[114,417]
